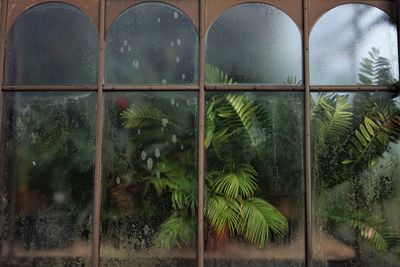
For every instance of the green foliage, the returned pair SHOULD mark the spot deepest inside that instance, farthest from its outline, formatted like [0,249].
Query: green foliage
[216,76]
[376,69]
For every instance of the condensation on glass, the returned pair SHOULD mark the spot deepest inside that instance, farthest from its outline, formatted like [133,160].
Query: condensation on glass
[254,200]
[254,44]
[149,201]
[47,179]
[349,43]
[52,43]
[152,43]
[356,179]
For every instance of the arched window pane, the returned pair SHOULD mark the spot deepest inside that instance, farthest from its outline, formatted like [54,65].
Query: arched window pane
[354,44]
[254,43]
[152,43]
[52,43]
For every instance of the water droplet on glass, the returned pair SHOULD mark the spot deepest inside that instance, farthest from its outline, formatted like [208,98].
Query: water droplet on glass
[183,76]
[125,42]
[146,230]
[33,163]
[163,81]
[177,59]
[158,174]
[182,147]
[135,63]
[163,166]
[175,15]
[177,104]
[129,48]
[164,122]
[188,102]
[118,180]
[149,163]
[144,155]
[178,41]
[121,49]
[59,197]
[138,131]
[162,129]
[172,43]
[174,139]
[172,101]
[158,20]
[157,153]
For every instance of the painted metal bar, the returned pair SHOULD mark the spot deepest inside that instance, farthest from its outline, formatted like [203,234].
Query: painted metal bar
[201,147]
[353,88]
[50,88]
[397,87]
[239,87]
[99,140]
[3,21]
[151,88]
[307,139]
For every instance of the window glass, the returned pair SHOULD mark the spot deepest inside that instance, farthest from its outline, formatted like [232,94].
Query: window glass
[255,44]
[356,178]
[52,43]
[254,200]
[47,179]
[354,44]
[152,43]
[150,179]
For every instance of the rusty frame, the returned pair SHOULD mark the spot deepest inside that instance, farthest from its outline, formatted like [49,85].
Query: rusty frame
[305,13]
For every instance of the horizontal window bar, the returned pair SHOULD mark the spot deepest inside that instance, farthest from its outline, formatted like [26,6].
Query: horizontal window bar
[49,88]
[238,87]
[150,87]
[357,88]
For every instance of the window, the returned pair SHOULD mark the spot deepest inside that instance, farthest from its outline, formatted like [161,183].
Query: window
[199,133]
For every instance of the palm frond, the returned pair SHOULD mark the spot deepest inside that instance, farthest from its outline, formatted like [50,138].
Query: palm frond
[376,69]
[222,212]
[175,231]
[260,218]
[216,76]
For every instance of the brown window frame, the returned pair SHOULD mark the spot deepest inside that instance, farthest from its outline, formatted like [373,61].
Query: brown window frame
[202,13]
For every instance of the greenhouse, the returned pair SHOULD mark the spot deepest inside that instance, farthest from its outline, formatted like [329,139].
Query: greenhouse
[200,133]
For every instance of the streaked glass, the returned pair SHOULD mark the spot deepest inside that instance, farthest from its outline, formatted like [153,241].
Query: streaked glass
[52,43]
[255,44]
[152,43]
[345,39]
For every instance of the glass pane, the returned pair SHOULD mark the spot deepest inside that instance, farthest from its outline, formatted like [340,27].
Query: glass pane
[47,179]
[254,211]
[356,175]
[354,44]
[52,43]
[149,178]
[152,43]
[254,43]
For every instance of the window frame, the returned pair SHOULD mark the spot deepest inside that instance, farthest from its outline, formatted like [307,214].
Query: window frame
[202,13]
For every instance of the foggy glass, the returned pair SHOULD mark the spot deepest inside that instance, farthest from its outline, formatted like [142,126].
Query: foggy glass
[344,37]
[52,43]
[152,43]
[356,193]
[255,44]
[46,184]
[149,202]
[254,143]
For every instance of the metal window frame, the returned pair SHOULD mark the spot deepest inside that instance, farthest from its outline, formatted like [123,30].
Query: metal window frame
[202,13]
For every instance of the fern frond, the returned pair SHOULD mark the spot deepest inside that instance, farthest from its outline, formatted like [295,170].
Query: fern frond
[376,70]
[216,76]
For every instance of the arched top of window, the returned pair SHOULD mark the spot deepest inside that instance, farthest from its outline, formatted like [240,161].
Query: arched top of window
[152,43]
[254,43]
[354,44]
[52,43]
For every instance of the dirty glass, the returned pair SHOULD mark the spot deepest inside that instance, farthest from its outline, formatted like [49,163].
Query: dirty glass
[254,44]
[46,180]
[152,43]
[254,193]
[349,44]
[356,155]
[52,43]
[149,179]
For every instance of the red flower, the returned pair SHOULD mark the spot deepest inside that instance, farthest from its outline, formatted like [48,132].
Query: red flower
[122,103]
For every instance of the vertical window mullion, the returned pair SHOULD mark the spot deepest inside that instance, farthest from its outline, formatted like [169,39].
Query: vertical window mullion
[99,140]
[307,137]
[201,126]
